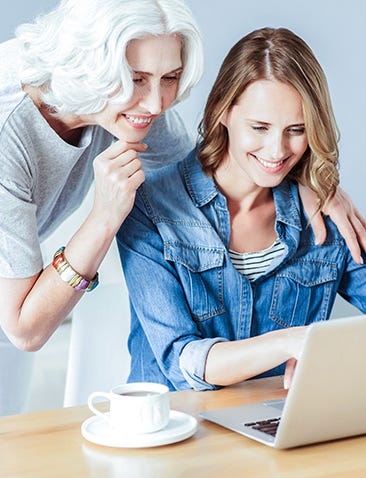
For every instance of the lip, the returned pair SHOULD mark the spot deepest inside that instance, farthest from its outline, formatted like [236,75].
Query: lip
[271,167]
[138,121]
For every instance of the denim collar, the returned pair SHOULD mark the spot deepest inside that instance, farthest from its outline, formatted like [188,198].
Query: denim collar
[202,190]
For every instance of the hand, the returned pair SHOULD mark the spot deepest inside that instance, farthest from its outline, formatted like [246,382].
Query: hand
[295,343]
[118,175]
[343,213]
[289,373]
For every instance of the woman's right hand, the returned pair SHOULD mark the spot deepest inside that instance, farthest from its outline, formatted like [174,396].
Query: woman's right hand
[118,174]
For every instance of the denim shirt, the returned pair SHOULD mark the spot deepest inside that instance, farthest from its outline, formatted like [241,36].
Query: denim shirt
[185,293]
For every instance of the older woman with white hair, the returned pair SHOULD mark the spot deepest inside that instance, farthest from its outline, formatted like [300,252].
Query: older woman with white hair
[80,88]
[79,77]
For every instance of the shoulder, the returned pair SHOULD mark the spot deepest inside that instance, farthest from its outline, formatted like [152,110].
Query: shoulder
[165,192]
[11,93]
[163,184]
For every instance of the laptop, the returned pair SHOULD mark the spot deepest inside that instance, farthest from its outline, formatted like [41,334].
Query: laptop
[327,398]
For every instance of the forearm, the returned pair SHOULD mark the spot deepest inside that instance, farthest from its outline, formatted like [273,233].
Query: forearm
[232,362]
[39,306]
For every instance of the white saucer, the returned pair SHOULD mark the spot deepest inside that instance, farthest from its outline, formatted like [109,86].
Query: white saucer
[180,426]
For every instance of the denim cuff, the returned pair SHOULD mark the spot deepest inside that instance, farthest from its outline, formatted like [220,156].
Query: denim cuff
[192,362]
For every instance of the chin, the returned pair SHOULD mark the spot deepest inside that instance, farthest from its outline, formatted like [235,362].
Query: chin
[131,135]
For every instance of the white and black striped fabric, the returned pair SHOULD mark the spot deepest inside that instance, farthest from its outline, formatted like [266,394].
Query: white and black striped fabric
[253,264]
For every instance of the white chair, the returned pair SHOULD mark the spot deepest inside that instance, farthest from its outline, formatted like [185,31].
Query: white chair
[98,354]
[16,369]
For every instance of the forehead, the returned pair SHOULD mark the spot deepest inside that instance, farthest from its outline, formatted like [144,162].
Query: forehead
[265,97]
[154,54]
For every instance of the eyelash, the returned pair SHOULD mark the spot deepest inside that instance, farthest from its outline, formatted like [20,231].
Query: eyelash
[291,131]
[167,79]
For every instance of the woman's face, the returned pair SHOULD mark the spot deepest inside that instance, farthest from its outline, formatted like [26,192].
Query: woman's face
[266,131]
[157,65]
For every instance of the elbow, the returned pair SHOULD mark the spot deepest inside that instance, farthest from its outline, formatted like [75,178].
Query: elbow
[30,345]
[27,343]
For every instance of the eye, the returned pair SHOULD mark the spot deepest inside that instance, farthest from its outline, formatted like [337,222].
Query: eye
[171,78]
[259,129]
[296,131]
[138,81]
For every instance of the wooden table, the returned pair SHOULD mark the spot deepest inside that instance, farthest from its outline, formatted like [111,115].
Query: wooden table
[49,445]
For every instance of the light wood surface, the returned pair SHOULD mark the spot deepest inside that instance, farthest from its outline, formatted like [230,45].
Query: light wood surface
[49,445]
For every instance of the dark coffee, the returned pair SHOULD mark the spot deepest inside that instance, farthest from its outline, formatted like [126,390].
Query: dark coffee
[141,393]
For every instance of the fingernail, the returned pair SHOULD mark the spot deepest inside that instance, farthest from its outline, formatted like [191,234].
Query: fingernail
[360,260]
[285,384]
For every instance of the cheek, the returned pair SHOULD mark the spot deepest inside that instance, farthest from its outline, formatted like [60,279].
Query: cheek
[300,146]
[240,140]
[169,97]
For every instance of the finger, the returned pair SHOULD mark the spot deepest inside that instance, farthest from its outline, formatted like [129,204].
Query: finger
[136,179]
[348,233]
[110,164]
[309,200]
[123,159]
[360,217]
[127,170]
[351,239]
[319,229]
[121,146]
[346,216]
[289,373]
[359,227]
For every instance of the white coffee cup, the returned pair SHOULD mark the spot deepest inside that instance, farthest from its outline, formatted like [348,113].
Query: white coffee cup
[135,407]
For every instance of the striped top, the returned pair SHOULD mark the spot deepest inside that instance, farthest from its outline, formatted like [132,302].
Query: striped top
[254,264]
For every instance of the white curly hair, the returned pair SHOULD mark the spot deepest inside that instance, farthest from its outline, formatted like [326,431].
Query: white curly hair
[77,52]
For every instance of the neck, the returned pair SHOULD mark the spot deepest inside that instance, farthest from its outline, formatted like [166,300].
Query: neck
[239,192]
[69,126]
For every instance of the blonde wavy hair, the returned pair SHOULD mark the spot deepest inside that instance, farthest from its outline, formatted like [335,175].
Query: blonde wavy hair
[278,54]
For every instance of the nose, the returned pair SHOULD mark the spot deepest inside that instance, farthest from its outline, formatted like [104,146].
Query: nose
[152,100]
[278,146]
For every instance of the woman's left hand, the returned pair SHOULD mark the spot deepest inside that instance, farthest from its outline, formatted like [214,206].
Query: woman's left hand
[289,373]
[343,213]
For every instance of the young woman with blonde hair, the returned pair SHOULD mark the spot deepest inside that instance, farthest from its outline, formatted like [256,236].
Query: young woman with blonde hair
[237,272]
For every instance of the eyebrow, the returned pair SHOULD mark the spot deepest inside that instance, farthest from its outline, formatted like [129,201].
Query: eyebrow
[269,124]
[177,70]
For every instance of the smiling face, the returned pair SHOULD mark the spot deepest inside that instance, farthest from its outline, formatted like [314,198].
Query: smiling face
[157,65]
[266,134]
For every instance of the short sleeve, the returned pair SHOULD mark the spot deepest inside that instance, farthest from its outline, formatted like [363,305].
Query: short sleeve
[20,253]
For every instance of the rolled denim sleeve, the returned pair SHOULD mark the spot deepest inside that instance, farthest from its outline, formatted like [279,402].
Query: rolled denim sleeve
[192,362]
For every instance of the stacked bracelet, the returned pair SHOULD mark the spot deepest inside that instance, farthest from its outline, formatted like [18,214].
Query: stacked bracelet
[69,275]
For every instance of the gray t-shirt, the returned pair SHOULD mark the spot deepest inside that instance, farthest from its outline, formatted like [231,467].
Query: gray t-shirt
[43,179]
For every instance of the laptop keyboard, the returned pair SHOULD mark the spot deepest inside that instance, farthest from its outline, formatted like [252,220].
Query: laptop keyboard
[266,426]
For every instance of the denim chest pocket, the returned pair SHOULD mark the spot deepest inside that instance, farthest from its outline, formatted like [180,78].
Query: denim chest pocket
[303,292]
[200,270]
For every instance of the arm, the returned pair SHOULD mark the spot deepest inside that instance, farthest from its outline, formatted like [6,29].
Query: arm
[183,352]
[232,362]
[33,307]
[344,214]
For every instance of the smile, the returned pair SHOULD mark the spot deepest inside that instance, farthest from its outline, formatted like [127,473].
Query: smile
[269,164]
[138,119]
